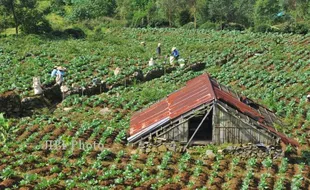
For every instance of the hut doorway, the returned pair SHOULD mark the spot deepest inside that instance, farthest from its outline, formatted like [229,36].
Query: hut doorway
[204,133]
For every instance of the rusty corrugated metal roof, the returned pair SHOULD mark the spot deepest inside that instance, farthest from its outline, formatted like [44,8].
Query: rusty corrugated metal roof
[153,114]
[197,91]
[285,139]
[242,107]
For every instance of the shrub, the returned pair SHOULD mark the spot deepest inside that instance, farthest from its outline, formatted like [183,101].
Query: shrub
[57,33]
[159,22]
[263,28]
[301,28]
[185,17]
[97,36]
[189,25]
[294,28]
[209,25]
[84,9]
[234,26]
[76,33]
[34,23]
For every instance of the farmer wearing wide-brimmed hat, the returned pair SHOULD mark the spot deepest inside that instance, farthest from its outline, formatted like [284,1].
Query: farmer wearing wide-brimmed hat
[60,74]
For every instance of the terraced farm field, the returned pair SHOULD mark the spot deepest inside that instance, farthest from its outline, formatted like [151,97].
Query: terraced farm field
[273,69]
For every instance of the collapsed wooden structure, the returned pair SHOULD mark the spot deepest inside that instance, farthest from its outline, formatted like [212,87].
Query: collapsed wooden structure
[205,111]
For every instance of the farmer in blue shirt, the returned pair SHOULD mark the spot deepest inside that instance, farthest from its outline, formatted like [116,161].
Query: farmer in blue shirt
[53,74]
[175,53]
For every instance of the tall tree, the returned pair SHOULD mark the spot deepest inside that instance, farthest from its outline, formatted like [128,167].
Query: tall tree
[221,10]
[9,6]
[244,12]
[197,9]
[26,16]
[193,9]
[124,9]
[301,9]
[265,11]
[169,9]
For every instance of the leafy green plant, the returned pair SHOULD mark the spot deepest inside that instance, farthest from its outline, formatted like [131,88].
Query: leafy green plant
[7,172]
[28,178]
[267,163]
[5,129]
[262,182]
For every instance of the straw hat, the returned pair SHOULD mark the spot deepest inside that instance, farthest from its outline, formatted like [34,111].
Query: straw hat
[61,68]
[174,48]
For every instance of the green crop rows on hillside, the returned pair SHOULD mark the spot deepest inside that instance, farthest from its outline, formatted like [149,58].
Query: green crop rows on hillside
[270,68]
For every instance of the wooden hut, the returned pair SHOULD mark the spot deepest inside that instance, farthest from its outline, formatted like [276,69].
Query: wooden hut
[203,112]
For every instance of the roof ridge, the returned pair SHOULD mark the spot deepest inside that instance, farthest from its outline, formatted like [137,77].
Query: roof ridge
[211,85]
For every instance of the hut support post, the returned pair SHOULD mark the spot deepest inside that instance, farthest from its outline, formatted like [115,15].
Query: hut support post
[204,118]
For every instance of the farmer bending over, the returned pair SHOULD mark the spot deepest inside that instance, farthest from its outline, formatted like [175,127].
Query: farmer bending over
[175,53]
[60,75]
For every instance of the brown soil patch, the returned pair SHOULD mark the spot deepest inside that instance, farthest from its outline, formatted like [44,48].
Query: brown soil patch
[185,177]
[94,153]
[2,167]
[28,187]
[34,128]
[106,182]
[25,135]
[270,181]
[125,159]
[76,153]
[156,161]
[71,132]
[8,93]
[141,188]
[224,164]
[151,171]
[143,157]
[235,183]
[171,187]
[290,170]
[58,131]
[86,135]
[58,153]
[241,166]
[201,180]
[7,183]
[43,170]
[48,128]
[21,130]
[149,183]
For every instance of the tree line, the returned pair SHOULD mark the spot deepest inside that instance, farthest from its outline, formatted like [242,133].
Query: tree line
[258,15]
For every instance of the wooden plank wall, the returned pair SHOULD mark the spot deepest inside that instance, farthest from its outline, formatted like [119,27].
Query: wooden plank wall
[179,133]
[229,129]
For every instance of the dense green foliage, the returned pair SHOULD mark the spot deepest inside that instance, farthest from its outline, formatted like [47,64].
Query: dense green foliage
[24,14]
[257,15]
